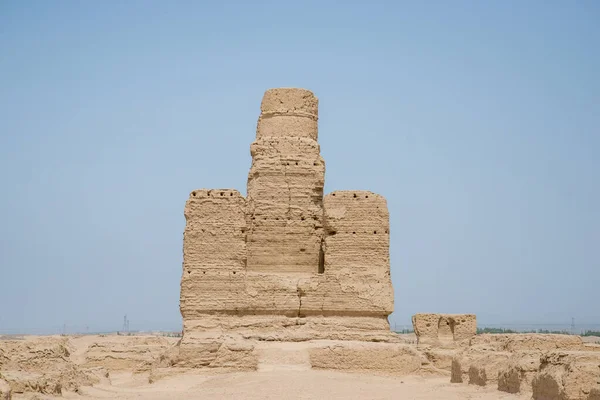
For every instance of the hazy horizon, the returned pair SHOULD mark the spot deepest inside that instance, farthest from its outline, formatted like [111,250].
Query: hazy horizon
[479,123]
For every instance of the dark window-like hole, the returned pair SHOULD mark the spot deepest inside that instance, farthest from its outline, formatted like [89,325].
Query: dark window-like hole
[189,272]
[302,218]
[315,164]
[333,194]
[303,250]
[296,162]
[354,233]
[367,196]
[221,193]
[332,233]
[321,259]
[374,232]
[194,194]
[231,194]
[234,272]
[354,195]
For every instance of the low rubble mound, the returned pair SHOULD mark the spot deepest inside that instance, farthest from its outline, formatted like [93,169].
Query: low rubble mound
[509,379]
[567,376]
[167,359]
[594,394]
[397,359]
[481,368]
[41,365]
[477,375]
[440,358]
[552,366]
[526,342]
[116,353]
[517,375]
[456,371]
[5,391]
[231,352]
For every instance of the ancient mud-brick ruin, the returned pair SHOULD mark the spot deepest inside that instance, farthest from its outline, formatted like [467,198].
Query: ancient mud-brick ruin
[444,329]
[286,262]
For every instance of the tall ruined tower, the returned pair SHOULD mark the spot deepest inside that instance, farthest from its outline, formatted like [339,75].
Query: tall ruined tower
[285,185]
[285,263]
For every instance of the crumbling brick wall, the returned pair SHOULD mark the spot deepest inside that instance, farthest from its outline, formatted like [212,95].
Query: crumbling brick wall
[214,252]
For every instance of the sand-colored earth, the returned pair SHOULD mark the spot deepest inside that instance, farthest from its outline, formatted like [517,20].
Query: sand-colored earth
[142,367]
[591,339]
[289,384]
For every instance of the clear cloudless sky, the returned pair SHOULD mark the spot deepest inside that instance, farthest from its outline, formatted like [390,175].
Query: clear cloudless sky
[478,121]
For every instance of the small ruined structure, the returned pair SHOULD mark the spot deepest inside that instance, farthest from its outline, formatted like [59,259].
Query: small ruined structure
[444,329]
[286,262]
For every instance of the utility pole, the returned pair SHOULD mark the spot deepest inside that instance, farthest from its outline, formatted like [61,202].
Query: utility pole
[125,324]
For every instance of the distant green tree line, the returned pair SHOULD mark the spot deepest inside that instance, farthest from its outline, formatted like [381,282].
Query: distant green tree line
[559,332]
[591,333]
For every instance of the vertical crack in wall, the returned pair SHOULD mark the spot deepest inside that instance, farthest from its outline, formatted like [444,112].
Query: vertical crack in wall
[300,293]
[321,269]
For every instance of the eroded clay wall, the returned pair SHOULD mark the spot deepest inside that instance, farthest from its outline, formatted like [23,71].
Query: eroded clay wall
[357,236]
[214,252]
[355,277]
[285,185]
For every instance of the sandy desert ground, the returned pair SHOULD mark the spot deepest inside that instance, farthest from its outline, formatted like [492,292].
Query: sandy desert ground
[285,383]
[125,367]
[283,374]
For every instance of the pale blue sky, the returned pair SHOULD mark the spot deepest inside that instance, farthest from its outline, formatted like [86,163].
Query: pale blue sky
[479,122]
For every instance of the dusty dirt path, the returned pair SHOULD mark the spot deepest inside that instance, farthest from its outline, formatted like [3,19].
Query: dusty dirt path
[288,384]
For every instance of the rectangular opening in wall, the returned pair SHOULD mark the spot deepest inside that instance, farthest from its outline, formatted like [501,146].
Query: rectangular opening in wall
[321,259]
